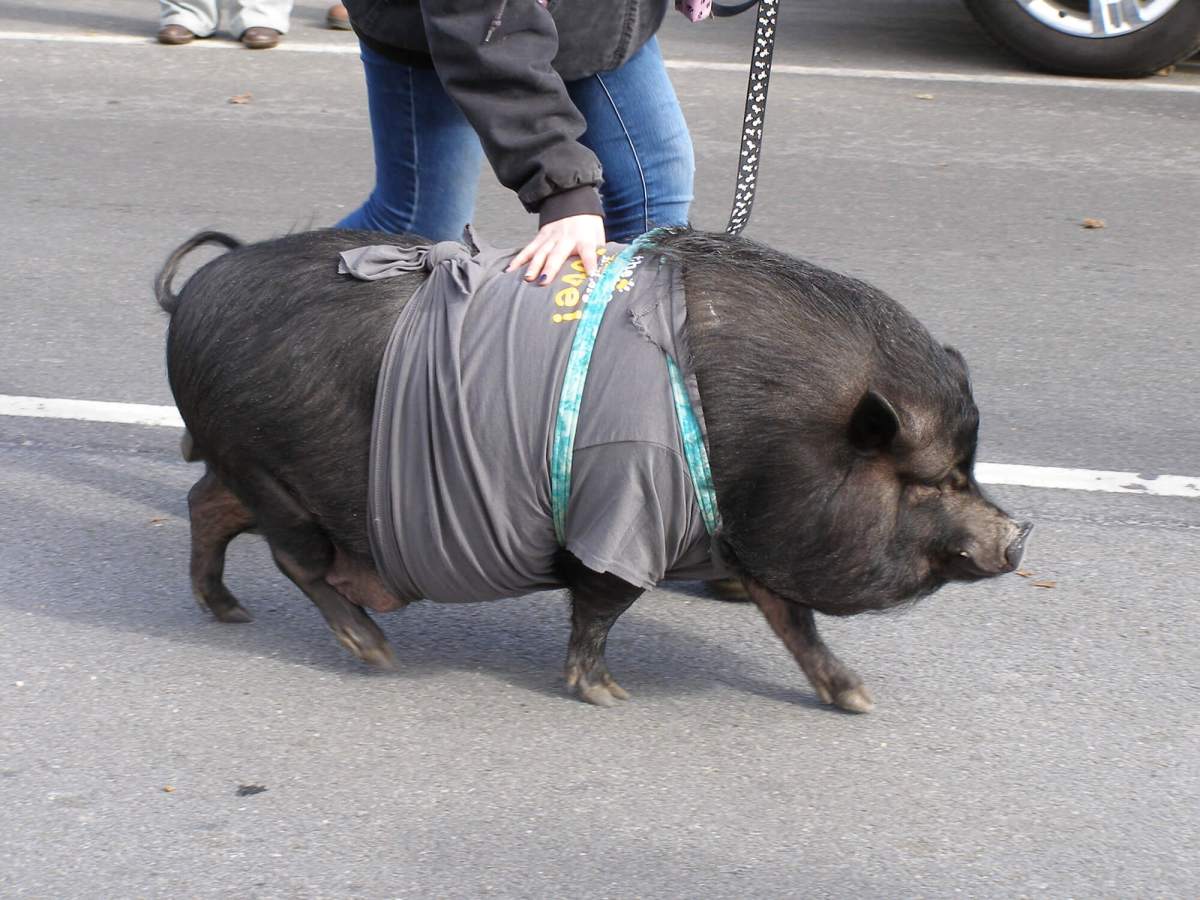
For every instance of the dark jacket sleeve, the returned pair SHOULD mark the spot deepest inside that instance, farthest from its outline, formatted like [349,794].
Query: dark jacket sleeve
[518,105]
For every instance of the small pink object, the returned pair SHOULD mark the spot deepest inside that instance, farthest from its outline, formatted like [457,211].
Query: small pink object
[695,10]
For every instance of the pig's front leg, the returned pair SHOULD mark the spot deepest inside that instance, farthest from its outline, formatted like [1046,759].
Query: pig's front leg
[834,681]
[597,600]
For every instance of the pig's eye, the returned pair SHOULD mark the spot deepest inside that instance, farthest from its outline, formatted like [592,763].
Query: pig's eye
[925,487]
[937,481]
[923,490]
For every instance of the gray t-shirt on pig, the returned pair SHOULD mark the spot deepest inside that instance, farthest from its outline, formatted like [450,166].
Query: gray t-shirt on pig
[460,453]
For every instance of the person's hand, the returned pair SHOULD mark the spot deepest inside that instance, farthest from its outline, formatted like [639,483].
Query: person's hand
[581,236]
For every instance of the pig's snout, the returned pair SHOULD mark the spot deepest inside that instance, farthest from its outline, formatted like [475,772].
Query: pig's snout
[1017,548]
[986,555]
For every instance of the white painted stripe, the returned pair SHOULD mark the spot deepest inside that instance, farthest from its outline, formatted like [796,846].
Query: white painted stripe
[62,37]
[221,43]
[1089,480]
[1147,85]
[90,411]
[1098,84]
[988,473]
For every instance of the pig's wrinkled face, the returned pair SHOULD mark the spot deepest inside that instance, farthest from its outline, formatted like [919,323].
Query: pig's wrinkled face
[841,434]
[908,515]
[898,513]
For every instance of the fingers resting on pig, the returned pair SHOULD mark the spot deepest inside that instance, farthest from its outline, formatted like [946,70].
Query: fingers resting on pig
[555,242]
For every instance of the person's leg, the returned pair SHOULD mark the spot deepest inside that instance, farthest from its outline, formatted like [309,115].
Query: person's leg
[197,16]
[636,128]
[272,14]
[427,156]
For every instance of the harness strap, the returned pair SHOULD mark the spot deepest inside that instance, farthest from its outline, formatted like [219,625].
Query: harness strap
[694,450]
[571,396]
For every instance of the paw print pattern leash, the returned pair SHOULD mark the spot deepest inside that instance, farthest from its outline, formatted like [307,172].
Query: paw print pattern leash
[571,393]
[755,115]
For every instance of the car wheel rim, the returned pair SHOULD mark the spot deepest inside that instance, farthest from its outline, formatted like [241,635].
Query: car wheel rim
[1097,18]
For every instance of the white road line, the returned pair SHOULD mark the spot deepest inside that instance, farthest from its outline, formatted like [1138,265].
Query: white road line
[1097,84]
[1150,85]
[1089,480]
[988,473]
[90,411]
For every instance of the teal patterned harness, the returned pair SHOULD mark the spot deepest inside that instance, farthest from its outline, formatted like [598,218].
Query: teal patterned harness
[567,420]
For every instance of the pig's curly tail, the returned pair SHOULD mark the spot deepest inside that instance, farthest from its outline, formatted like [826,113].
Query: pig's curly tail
[162,284]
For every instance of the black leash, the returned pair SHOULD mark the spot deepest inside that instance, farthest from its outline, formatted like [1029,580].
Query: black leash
[756,106]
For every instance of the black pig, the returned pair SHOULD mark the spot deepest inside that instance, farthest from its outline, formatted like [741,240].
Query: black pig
[841,436]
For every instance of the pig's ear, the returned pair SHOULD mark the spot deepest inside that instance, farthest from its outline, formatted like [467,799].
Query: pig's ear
[874,423]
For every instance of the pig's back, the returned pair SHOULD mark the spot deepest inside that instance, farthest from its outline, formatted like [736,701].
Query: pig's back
[273,357]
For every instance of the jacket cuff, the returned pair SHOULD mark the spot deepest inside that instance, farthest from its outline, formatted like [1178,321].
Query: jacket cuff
[578,201]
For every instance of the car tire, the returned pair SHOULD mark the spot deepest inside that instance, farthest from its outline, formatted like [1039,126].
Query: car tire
[1161,43]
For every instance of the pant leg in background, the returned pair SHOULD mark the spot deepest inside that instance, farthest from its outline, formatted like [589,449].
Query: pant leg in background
[197,16]
[259,14]
[637,130]
[427,156]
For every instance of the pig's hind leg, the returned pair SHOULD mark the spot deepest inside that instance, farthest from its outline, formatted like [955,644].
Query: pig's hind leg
[597,600]
[217,517]
[306,555]
[834,681]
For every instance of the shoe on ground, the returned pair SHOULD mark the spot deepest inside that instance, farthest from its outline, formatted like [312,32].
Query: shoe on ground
[259,38]
[338,18]
[175,34]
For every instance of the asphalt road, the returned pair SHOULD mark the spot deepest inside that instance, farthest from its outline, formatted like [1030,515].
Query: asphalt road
[1028,741]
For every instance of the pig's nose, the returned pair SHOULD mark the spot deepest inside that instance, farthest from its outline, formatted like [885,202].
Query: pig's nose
[1017,548]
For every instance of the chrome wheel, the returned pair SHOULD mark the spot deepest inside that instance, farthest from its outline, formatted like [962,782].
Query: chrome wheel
[1111,38]
[1097,18]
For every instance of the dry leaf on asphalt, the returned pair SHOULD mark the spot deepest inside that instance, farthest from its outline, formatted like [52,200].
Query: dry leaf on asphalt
[168,790]
[241,98]
[1024,573]
[1044,584]
[1092,223]
[923,96]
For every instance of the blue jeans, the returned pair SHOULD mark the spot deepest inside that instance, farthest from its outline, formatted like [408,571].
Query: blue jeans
[427,157]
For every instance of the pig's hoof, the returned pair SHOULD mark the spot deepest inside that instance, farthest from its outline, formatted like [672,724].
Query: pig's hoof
[841,687]
[855,699]
[224,607]
[616,690]
[372,649]
[596,689]
[235,614]
[601,694]
[731,590]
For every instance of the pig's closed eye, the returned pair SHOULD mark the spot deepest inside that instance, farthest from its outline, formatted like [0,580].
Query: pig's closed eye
[954,478]
[936,481]
[923,490]
[951,479]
